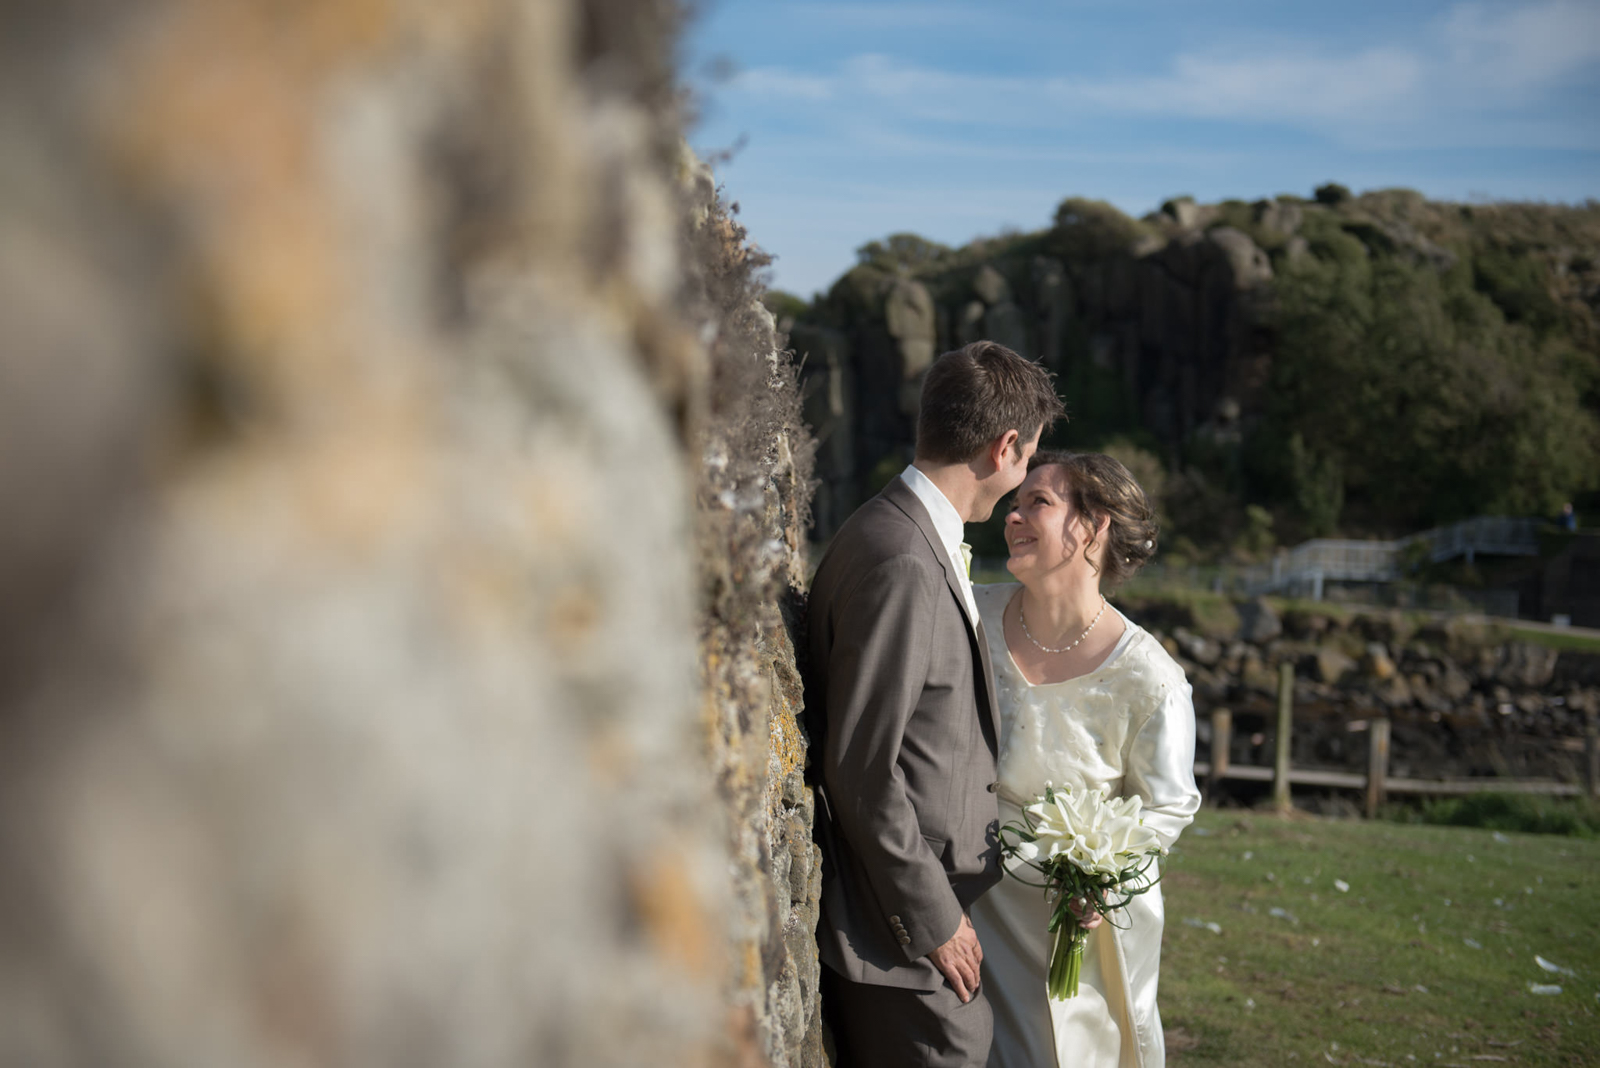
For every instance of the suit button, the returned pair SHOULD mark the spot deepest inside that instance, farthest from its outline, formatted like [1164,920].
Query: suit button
[993,787]
[905,940]
[894,920]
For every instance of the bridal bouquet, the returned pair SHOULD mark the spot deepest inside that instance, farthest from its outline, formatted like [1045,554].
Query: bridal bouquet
[1086,845]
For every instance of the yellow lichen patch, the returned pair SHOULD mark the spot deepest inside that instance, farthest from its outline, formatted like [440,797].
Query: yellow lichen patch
[481,591]
[366,483]
[217,115]
[571,616]
[788,748]
[611,755]
[675,917]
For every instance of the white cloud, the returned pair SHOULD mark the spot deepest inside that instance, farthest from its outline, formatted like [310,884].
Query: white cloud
[1274,88]
[894,16]
[775,82]
[1527,47]
[1469,83]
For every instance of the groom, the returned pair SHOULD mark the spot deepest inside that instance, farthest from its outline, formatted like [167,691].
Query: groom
[901,705]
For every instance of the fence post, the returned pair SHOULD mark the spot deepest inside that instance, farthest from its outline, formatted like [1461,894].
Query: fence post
[1280,767]
[1221,743]
[1591,748]
[1377,764]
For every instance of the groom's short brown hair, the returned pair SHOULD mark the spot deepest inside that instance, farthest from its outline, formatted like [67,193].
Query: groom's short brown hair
[976,393]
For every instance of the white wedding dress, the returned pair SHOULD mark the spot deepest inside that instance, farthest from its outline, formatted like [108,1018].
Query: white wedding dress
[1127,725]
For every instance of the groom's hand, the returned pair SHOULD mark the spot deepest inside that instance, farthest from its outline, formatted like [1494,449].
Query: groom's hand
[959,958]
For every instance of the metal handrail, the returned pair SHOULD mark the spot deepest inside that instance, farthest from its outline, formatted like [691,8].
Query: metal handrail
[1322,560]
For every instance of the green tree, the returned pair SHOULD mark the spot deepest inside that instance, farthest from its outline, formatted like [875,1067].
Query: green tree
[1408,390]
[911,252]
[1088,230]
[1318,487]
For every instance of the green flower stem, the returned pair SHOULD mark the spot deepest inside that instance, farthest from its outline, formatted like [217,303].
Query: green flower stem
[1066,959]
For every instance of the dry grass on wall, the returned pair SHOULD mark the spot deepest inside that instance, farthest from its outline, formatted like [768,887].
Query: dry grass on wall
[752,497]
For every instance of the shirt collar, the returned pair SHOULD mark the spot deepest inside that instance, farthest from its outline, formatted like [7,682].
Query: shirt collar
[946,520]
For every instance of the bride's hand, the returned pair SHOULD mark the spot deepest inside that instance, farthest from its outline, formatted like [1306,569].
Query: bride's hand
[1087,917]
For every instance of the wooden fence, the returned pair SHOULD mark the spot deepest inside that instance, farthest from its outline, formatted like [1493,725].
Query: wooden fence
[1376,783]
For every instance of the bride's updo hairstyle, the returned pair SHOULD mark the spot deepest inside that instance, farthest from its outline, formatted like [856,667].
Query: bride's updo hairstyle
[1100,486]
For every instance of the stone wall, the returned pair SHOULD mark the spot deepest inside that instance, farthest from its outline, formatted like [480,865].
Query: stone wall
[401,486]
[1462,699]
[752,514]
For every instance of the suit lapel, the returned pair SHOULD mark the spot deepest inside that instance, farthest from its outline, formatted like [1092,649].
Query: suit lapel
[900,495]
[988,684]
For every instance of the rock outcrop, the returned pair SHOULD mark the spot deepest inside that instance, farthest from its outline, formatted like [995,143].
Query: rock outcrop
[402,486]
[1162,318]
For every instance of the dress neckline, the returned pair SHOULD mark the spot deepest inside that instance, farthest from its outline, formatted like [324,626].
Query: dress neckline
[1129,626]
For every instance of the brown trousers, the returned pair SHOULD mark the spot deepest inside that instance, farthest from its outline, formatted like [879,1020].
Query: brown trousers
[887,1027]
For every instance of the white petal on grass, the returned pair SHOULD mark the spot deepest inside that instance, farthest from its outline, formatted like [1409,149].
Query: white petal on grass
[1502,839]
[1283,914]
[1472,944]
[1545,989]
[1552,967]
[1341,886]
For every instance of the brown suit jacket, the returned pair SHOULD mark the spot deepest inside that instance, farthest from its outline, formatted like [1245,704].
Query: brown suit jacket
[900,703]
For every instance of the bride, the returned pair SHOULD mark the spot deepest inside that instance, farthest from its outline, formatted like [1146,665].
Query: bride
[1087,699]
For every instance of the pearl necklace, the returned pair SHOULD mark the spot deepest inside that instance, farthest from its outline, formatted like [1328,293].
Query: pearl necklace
[1023,619]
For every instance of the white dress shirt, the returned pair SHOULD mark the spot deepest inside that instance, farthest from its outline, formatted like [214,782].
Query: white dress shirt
[948,524]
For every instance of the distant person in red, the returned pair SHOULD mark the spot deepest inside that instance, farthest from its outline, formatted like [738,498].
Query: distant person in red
[1569,518]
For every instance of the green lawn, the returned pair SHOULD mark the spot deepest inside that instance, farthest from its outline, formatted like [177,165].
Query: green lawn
[1426,959]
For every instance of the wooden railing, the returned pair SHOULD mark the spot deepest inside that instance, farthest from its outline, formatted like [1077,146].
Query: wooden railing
[1376,783]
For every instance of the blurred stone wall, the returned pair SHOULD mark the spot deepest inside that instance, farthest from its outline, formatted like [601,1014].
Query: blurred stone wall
[401,486]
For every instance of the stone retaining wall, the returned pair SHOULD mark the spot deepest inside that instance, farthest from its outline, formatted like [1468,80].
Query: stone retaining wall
[1462,701]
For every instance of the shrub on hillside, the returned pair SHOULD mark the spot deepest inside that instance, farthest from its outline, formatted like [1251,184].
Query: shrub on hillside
[1087,230]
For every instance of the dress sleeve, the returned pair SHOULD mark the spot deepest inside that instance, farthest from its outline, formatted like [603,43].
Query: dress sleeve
[1159,764]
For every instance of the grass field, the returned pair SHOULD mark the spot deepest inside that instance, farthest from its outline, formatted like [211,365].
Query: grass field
[1427,958]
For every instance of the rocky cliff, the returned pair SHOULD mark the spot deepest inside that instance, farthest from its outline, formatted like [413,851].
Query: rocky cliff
[401,486]
[1229,339]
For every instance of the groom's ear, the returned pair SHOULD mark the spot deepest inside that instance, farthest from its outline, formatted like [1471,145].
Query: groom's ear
[1001,448]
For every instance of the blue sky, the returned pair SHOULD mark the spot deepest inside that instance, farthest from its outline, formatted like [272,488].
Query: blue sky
[850,121]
